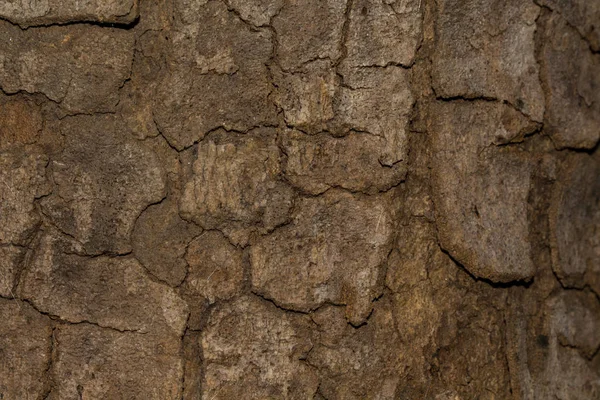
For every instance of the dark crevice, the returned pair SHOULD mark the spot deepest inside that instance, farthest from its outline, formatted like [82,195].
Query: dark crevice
[127,26]
[496,285]
[280,307]
[589,151]
[80,322]
[48,378]
[26,93]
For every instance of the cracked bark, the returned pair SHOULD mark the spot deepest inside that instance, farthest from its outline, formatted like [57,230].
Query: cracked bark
[339,199]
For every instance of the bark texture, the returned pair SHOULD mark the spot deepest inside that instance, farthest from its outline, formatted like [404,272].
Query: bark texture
[285,199]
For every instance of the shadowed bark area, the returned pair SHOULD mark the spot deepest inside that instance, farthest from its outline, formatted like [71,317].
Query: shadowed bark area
[285,199]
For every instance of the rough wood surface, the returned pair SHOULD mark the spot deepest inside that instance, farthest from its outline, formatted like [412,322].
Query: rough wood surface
[299,199]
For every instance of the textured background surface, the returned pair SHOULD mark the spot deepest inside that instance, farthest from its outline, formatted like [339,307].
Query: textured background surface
[299,199]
